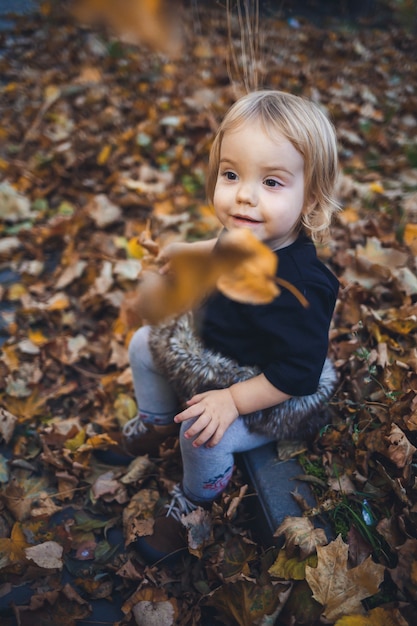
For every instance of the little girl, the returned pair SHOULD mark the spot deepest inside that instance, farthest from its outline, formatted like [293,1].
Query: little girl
[246,374]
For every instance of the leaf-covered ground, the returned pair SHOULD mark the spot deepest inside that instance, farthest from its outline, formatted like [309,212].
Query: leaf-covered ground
[103,141]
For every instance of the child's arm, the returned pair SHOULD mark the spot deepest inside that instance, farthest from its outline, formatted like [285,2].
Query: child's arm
[216,410]
[176,247]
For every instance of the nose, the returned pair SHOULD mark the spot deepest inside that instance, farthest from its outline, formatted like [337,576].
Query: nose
[247,193]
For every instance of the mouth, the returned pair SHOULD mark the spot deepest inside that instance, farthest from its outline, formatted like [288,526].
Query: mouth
[245,220]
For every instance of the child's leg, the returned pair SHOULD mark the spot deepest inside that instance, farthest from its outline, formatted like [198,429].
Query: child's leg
[157,402]
[207,471]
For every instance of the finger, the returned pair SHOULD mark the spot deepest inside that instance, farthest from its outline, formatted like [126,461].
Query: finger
[199,425]
[205,435]
[216,438]
[196,398]
[192,411]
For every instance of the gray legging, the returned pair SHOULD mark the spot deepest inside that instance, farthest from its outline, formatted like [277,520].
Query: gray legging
[206,471]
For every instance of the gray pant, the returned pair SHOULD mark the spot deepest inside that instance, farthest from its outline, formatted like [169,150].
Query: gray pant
[206,471]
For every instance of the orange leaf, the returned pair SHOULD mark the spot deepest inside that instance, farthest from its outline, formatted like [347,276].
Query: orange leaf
[240,266]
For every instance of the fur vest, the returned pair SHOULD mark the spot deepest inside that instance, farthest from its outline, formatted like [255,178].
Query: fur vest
[191,368]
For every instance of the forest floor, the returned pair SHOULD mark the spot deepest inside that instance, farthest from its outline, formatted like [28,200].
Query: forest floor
[103,140]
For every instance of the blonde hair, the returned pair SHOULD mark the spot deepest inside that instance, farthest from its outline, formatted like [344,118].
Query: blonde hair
[312,135]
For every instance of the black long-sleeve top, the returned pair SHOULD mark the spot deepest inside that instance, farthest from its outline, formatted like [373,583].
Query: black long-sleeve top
[286,340]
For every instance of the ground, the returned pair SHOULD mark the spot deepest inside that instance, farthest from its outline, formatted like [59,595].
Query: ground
[103,156]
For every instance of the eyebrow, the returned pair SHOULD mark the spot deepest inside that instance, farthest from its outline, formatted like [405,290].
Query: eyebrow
[278,168]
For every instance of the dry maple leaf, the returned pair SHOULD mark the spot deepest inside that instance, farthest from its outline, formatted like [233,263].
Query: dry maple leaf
[8,422]
[240,266]
[152,22]
[338,589]
[199,530]
[12,548]
[138,516]
[400,449]
[300,532]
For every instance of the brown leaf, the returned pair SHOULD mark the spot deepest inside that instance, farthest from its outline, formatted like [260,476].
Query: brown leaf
[138,516]
[405,575]
[400,449]
[300,533]
[338,589]
[245,602]
[110,489]
[138,469]
[8,422]
[22,492]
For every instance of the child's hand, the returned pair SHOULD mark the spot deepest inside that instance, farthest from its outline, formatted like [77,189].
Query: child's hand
[176,247]
[215,411]
[168,252]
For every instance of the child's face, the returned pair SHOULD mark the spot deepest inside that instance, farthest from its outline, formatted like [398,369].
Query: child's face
[260,185]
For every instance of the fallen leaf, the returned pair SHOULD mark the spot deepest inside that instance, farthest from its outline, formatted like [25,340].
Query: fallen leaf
[245,602]
[300,534]
[8,422]
[338,589]
[291,568]
[47,555]
[376,617]
[240,266]
[400,449]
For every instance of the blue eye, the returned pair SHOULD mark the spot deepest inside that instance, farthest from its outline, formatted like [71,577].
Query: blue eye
[230,175]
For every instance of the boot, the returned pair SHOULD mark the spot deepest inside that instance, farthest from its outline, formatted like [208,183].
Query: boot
[139,438]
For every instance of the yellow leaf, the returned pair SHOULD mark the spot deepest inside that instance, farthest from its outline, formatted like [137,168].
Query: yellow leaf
[338,589]
[349,215]
[51,94]
[376,187]
[10,87]
[77,441]
[98,442]
[16,291]
[410,237]
[125,408]
[58,302]
[291,568]
[37,337]
[12,548]
[104,154]
[376,617]
[134,249]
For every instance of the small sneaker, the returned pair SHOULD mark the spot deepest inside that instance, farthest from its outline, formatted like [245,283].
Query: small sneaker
[139,438]
[169,538]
